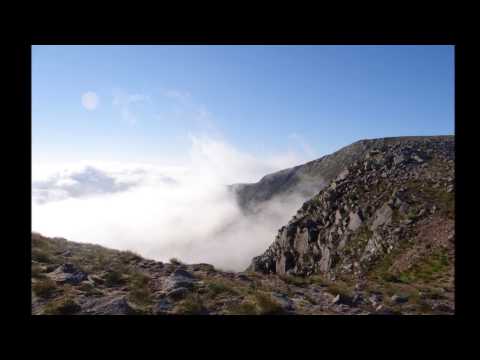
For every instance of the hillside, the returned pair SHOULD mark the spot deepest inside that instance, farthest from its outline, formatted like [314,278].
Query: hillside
[308,179]
[388,218]
[376,238]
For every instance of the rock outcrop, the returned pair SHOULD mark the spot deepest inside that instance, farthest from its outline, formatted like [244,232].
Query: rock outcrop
[376,205]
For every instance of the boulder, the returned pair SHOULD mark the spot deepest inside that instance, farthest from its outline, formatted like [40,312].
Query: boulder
[115,305]
[177,293]
[68,273]
[382,216]
[178,279]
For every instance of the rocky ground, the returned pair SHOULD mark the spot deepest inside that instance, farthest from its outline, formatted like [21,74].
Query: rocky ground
[70,278]
[378,239]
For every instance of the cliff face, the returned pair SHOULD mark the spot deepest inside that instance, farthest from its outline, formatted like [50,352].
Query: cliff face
[382,206]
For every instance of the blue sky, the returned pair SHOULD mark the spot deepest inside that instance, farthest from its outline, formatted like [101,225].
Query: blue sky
[260,99]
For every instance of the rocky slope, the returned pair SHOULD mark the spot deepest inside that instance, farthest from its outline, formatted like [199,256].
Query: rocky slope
[308,179]
[378,238]
[389,216]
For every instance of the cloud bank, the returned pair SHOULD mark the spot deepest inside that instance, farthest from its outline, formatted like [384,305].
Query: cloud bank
[185,212]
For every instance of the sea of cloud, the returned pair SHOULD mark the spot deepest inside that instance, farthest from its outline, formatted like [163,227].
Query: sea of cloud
[161,212]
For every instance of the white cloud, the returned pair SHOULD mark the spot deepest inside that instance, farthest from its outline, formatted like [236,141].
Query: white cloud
[193,217]
[90,100]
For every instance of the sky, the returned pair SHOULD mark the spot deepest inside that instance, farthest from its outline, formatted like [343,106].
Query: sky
[132,146]
[142,103]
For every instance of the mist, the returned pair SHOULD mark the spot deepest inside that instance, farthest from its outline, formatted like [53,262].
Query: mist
[184,212]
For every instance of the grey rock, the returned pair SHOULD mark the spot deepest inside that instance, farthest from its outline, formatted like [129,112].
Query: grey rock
[116,305]
[162,306]
[177,280]
[182,272]
[355,221]
[417,158]
[399,299]
[68,273]
[382,216]
[177,293]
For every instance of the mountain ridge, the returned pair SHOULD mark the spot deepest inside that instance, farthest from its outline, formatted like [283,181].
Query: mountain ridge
[309,178]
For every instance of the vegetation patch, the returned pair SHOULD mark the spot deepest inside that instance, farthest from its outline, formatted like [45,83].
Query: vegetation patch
[139,285]
[266,305]
[44,288]
[218,287]
[89,289]
[244,308]
[62,306]
[358,241]
[114,278]
[41,256]
[37,272]
[192,305]
[428,269]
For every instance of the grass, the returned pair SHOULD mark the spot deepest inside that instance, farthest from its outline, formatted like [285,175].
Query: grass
[295,280]
[428,269]
[340,288]
[130,256]
[192,305]
[140,292]
[114,278]
[41,256]
[45,288]
[89,289]
[438,196]
[218,287]
[266,305]
[37,272]
[244,308]
[63,306]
